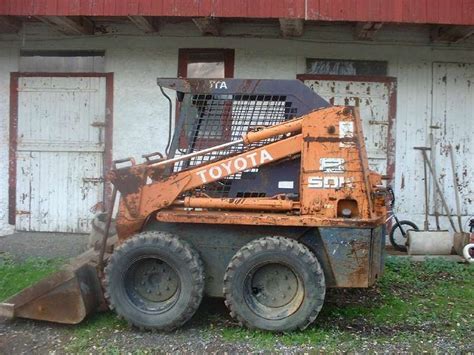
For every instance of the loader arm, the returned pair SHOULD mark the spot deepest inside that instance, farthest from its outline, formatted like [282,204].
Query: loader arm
[139,200]
[165,192]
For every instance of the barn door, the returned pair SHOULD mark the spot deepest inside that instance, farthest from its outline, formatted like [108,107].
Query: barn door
[375,98]
[452,124]
[60,152]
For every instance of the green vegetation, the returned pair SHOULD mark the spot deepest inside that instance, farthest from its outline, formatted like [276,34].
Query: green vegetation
[94,332]
[16,276]
[415,307]
[413,304]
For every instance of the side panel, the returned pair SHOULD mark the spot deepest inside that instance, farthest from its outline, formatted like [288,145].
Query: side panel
[334,171]
[377,254]
[376,101]
[349,257]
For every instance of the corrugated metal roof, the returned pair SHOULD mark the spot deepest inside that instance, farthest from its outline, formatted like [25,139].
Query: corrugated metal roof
[456,12]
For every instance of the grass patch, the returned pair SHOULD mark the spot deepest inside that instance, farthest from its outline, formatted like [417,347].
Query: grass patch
[93,333]
[415,307]
[411,294]
[325,338]
[16,276]
[413,304]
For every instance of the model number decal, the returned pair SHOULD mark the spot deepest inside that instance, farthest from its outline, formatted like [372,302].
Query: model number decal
[332,165]
[328,182]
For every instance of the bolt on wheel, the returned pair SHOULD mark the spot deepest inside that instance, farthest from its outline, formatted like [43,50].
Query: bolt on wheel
[155,281]
[274,291]
[152,284]
[274,283]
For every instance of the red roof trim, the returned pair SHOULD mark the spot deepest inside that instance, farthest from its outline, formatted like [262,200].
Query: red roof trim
[454,12]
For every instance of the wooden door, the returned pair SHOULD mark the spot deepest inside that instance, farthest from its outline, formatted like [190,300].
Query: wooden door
[60,152]
[452,124]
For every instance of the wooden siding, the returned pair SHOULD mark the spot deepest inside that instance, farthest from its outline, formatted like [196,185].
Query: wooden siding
[60,152]
[454,12]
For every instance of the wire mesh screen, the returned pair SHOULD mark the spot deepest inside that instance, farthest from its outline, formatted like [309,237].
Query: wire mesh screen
[210,120]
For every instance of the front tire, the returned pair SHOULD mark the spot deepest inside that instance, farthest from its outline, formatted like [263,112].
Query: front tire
[155,281]
[274,284]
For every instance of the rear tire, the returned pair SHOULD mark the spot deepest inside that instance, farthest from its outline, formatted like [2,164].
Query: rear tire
[274,284]
[155,281]
[397,239]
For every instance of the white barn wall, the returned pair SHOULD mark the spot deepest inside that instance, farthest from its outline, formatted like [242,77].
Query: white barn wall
[140,110]
[141,113]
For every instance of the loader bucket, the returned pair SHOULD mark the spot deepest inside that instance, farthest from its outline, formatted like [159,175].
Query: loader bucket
[66,296]
[73,292]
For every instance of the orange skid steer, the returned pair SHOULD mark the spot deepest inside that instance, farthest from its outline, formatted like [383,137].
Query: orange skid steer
[265,198]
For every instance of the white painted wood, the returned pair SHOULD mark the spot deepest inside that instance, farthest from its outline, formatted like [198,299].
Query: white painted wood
[141,112]
[372,98]
[453,113]
[412,126]
[57,148]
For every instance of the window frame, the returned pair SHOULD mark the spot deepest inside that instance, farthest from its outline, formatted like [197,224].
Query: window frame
[96,66]
[185,55]
[354,61]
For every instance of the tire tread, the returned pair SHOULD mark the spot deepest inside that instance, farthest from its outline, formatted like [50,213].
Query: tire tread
[276,243]
[177,245]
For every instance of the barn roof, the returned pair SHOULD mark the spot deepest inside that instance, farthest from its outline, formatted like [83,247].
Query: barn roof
[452,20]
[454,12]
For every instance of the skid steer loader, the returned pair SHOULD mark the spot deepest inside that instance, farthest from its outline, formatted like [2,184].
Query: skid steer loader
[264,198]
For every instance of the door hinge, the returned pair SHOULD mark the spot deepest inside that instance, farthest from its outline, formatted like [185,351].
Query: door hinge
[383,123]
[98,124]
[93,180]
[20,212]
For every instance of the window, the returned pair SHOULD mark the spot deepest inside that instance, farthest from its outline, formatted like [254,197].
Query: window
[345,67]
[62,61]
[206,63]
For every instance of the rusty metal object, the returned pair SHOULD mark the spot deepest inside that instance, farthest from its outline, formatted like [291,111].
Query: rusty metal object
[258,204]
[262,219]
[70,294]
[325,190]
[67,296]
[232,168]
[106,232]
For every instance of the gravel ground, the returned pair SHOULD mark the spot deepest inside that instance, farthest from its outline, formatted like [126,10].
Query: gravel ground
[22,245]
[197,336]
[25,337]
[204,333]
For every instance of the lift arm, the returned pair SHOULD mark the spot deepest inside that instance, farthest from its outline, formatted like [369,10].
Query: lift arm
[140,199]
[165,192]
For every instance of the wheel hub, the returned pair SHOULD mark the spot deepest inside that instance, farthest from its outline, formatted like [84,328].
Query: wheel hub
[155,280]
[274,285]
[273,290]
